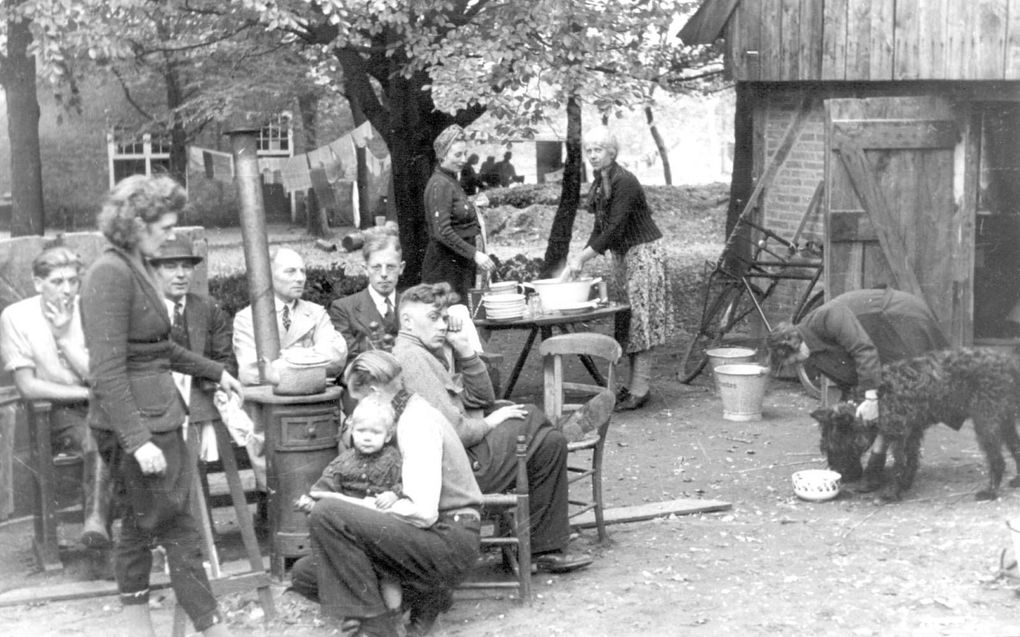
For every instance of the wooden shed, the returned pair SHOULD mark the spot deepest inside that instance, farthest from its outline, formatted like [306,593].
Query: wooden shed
[908,111]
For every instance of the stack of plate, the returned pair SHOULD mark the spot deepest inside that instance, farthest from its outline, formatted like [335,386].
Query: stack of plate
[504,307]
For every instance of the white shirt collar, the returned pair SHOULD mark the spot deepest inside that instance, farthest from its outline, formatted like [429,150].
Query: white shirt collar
[280,304]
[170,305]
[380,300]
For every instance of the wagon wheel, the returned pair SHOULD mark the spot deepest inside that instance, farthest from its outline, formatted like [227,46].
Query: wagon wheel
[726,311]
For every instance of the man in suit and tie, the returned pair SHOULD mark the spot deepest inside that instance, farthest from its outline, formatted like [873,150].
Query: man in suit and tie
[368,319]
[302,324]
[198,324]
[365,318]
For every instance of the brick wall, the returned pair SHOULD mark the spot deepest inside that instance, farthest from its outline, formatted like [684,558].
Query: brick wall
[789,195]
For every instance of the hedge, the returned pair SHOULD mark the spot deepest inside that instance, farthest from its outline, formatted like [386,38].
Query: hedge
[327,284]
[324,285]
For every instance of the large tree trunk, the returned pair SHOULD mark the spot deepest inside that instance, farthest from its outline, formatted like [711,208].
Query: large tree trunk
[570,195]
[28,216]
[409,122]
[316,219]
[308,107]
[412,158]
[178,134]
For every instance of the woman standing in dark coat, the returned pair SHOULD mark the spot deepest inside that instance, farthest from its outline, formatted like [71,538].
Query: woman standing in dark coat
[451,255]
[624,226]
[136,410]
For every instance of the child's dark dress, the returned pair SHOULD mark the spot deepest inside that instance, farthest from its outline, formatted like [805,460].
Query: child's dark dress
[360,475]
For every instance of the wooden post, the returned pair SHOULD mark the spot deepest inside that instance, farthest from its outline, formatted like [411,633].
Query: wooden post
[256,246]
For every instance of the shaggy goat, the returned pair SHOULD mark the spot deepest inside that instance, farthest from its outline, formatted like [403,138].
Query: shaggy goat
[947,386]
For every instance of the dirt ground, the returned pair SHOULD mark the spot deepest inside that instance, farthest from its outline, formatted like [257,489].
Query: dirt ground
[773,564]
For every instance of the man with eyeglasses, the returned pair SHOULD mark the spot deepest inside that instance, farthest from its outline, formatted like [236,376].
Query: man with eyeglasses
[367,319]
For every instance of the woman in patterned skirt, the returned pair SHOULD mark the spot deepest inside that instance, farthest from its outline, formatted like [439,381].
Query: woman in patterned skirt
[624,226]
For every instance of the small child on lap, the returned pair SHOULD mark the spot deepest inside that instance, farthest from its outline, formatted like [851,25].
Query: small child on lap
[368,473]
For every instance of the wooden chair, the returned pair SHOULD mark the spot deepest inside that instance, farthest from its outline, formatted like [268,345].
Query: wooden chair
[255,578]
[588,345]
[509,515]
[46,469]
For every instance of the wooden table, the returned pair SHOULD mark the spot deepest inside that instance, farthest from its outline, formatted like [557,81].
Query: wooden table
[543,325]
[301,439]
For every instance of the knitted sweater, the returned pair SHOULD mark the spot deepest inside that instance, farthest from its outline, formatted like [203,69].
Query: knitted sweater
[459,395]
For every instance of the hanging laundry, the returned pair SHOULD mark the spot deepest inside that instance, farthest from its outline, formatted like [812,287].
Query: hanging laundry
[295,174]
[343,149]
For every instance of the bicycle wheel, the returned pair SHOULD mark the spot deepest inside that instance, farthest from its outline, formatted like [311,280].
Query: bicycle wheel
[811,380]
[718,320]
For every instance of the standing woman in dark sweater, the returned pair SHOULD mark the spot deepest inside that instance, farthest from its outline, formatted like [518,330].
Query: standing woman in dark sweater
[136,411]
[624,226]
[451,255]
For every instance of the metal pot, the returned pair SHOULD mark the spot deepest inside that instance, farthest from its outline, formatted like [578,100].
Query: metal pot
[557,294]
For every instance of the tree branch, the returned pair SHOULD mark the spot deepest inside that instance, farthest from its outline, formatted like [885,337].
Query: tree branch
[191,47]
[130,98]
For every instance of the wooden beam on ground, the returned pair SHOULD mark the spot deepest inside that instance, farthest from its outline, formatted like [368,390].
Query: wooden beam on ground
[235,579]
[651,510]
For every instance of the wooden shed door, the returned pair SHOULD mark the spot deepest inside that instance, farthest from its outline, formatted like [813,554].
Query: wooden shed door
[891,216]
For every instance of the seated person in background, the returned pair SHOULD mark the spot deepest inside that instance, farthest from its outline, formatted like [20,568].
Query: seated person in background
[488,174]
[462,393]
[367,317]
[506,171]
[42,344]
[198,325]
[369,473]
[469,180]
[302,324]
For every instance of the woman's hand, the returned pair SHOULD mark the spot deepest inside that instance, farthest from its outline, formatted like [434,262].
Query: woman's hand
[503,414]
[572,270]
[151,459]
[483,261]
[231,385]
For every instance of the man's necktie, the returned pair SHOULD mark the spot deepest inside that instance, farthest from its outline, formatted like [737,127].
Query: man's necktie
[179,330]
[388,317]
[286,318]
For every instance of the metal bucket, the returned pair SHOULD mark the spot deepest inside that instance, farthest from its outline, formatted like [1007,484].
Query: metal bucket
[729,355]
[742,389]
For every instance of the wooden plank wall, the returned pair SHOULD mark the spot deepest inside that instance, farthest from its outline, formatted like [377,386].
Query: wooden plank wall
[876,40]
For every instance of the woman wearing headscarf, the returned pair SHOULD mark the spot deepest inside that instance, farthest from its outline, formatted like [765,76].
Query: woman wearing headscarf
[624,226]
[451,255]
[136,411]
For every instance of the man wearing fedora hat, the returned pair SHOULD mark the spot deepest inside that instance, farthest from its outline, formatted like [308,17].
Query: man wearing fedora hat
[198,324]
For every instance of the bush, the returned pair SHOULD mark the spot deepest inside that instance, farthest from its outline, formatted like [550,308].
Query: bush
[519,268]
[524,196]
[325,285]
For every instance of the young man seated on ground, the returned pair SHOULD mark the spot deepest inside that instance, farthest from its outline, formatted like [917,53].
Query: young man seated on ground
[43,346]
[463,394]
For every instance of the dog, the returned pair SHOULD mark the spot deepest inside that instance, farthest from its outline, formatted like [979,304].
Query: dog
[947,386]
